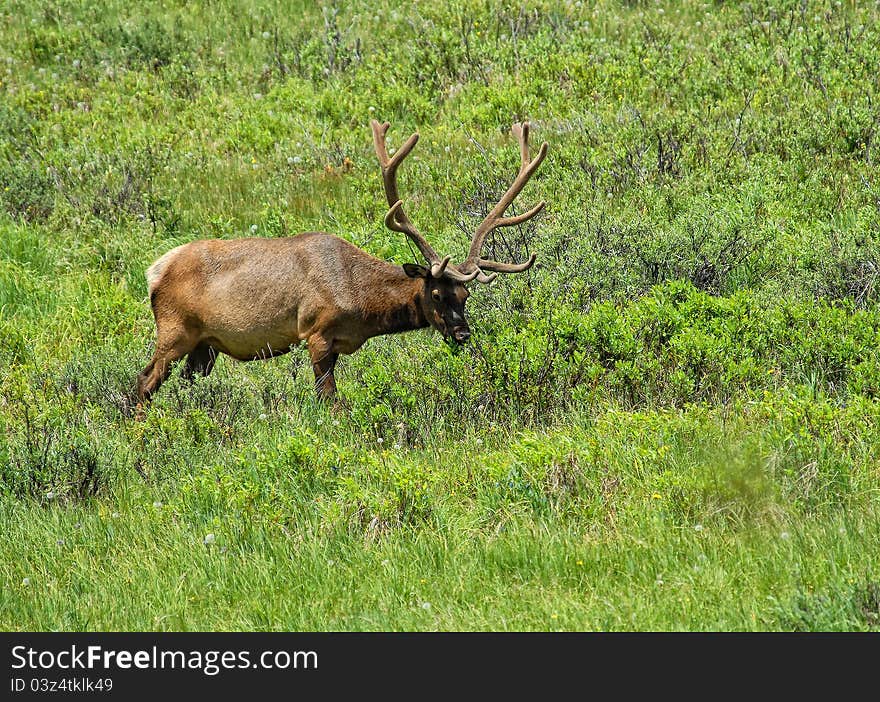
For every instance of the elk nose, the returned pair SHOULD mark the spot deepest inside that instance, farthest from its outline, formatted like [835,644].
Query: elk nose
[461,335]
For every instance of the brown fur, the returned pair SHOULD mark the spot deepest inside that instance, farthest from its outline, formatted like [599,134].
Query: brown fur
[256,298]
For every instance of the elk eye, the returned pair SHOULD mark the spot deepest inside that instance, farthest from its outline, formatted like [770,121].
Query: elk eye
[436,295]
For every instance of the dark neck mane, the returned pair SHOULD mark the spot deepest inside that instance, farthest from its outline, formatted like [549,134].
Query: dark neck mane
[395,305]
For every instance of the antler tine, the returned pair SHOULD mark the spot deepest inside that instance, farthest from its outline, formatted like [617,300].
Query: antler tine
[391,220]
[393,223]
[521,131]
[438,268]
[390,164]
[396,219]
[464,277]
[487,265]
[496,217]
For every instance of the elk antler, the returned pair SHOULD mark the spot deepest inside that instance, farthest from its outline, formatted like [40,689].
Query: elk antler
[496,217]
[473,266]
[396,219]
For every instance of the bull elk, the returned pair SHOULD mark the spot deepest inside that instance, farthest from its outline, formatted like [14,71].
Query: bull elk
[257,298]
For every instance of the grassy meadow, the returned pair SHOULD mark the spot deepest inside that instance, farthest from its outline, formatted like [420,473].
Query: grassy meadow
[669,422]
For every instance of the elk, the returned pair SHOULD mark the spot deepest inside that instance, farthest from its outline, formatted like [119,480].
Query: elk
[257,298]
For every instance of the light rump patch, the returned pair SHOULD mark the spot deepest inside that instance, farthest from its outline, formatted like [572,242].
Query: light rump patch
[154,272]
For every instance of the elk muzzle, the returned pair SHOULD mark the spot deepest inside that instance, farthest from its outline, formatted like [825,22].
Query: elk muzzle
[461,334]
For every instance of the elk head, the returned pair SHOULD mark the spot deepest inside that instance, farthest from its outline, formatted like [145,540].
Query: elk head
[444,294]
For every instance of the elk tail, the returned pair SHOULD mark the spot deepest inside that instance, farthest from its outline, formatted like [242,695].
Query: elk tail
[155,271]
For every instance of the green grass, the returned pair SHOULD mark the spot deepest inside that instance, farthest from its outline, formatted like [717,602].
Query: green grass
[156,574]
[708,524]
[670,422]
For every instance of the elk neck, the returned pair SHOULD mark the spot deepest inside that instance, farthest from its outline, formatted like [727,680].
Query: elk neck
[394,305]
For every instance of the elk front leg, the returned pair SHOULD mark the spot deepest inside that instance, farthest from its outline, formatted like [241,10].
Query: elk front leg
[323,362]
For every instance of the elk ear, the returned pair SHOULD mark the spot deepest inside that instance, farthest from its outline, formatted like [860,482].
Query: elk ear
[415,271]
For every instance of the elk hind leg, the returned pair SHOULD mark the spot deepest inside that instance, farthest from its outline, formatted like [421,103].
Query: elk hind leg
[169,350]
[199,361]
